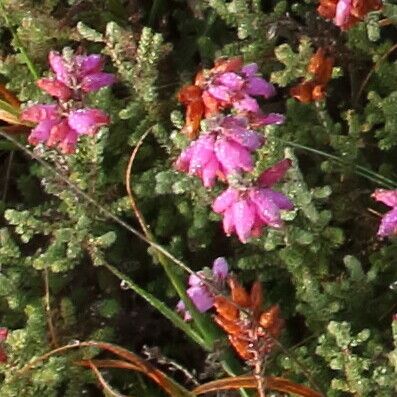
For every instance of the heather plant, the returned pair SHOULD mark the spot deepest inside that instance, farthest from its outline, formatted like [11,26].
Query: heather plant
[198,197]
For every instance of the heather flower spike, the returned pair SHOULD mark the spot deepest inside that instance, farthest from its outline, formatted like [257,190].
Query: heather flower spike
[228,85]
[198,291]
[61,124]
[235,86]
[247,210]
[388,225]
[253,337]
[221,151]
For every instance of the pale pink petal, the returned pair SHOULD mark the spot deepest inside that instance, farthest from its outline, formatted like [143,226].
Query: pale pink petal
[233,156]
[88,120]
[388,197]
[181,309]
[342,12]
[257,86]
[220,92]
[220,268]
[244,219]
[41,132]
[233,122]
[58,65]
[228,221]
[201,298]
[183,161]
[274,174]
[210,172]
[280,199]
[246,104]
[230,80]
[55,88]
[69,142]
[58,133]
[95,81]
[267,210]
[250,69]
[203,152]
[247,138]
[271,118]
[39,112]
[89,64]
[225,200]
[388,225]
[195,280]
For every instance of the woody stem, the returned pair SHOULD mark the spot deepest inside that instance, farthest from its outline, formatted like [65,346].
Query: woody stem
[258,376]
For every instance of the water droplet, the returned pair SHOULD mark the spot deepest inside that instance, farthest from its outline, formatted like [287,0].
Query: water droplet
[393,286]
[124,285]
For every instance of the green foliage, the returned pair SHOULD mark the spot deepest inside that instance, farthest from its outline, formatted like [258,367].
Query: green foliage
[360,361]
[334,281]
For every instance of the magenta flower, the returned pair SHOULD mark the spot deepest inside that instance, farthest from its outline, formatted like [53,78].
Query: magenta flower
[236,89]
[56,128]
[342,14]
[224,150]
[60,125]
[388,225]
[55,88]
[81,72]
[246,211]
[198,291]
[3,337]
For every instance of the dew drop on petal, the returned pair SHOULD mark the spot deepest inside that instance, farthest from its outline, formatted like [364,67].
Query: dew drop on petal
[74,342]
[124,285]
[393,286]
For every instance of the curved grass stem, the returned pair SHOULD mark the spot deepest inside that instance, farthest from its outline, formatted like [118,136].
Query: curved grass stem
[203,324]
[358,169]
[168,313]
[21,48]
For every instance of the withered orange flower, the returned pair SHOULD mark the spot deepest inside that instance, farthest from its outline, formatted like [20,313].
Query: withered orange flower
[190,96]
[320,67]
[251,330]
[197,101]
[346,13]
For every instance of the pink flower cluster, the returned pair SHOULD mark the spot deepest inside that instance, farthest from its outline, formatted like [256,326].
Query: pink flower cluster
[246,212]
[62,123]
[235,86]
[224,151]
[199,293]
[388,225]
